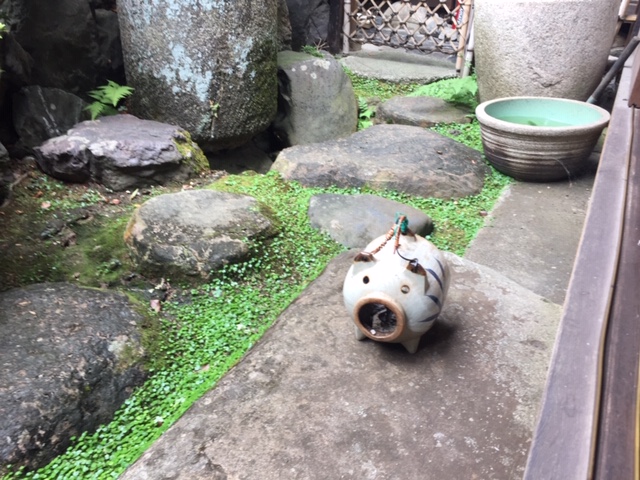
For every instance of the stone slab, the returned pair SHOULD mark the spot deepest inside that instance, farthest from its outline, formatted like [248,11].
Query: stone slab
[355,220]
[397,66]
[532,235]
[422,112]
[393,157]
[309,401]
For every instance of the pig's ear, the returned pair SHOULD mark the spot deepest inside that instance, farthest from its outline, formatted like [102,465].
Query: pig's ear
[364,257]
[414,267]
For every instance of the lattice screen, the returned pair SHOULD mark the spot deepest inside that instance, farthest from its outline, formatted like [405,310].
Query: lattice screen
[431,25]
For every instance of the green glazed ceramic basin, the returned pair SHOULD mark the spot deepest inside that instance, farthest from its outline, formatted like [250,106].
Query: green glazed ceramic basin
[539,138]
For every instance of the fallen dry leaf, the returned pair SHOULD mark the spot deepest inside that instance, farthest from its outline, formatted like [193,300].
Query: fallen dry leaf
[155,305]
[45,205]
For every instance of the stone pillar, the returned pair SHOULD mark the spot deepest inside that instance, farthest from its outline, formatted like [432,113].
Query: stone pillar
[542,47]
[208,66]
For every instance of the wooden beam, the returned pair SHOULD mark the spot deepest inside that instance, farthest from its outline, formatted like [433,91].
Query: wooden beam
[616,447]
[563,445]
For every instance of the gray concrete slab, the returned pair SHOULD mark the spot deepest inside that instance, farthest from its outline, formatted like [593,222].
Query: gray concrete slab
[532,234]
[398,66]
[311,402]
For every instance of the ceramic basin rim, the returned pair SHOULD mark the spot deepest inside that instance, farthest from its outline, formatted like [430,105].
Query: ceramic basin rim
[485,119]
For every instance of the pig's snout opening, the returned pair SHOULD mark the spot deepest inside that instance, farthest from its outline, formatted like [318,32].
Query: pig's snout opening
[379,318]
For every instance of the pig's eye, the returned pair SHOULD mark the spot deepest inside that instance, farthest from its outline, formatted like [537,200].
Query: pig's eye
[405,289]
[365,279]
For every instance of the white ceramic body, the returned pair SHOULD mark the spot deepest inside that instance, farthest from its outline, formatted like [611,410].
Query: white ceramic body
[545,48]
[415,299]
[540,153]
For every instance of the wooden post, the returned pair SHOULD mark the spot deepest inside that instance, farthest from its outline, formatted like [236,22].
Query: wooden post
[346,26]
[336,16]
[465,5]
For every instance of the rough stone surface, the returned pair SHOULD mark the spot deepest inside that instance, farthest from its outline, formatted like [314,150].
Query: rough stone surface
[284,26]
[309,22]
[189,234]
[420,111]
[6,175]
[237,160]
[17,64]
[69,357]
[209,67]
[532,234]
[309,401]
[397,66]
[42,113]
[531,49]
[76,52]
[355,220]
[396,157]
[121,151]
[316,101]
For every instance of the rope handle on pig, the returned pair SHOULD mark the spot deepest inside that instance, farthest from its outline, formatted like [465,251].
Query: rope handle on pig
[400,227]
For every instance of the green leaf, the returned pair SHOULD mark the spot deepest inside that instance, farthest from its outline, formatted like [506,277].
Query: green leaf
[114,93]
[95,109]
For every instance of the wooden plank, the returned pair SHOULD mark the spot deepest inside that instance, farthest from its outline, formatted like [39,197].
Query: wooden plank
[616,449]
[563,446]
[634,90]
[336,20]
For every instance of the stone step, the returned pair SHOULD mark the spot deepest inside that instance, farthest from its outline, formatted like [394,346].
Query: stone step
[310,401]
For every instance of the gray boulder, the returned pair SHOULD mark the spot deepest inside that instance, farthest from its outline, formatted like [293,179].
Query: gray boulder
[388,157]
[16,63]
[41,113]
[192,233]
[316,101]
[420,111]
[207,66]
[309,22]
[69,357]
[355,220]
[6,176]
[122,151]
[70,48]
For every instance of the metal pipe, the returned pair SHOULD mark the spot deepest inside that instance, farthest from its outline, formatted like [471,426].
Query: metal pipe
[613,71]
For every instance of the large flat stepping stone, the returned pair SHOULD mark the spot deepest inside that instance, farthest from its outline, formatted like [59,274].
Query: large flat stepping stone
[310,401]
[122,151]
[193,233]
[69,358]
[420,111]
[397,66]
[355,220]
[388,157]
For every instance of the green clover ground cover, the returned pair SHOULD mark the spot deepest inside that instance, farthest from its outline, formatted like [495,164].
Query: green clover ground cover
[211,327]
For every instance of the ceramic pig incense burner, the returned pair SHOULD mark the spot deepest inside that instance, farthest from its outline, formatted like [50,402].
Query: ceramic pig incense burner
[396,288]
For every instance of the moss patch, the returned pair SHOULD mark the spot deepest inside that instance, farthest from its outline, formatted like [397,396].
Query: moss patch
[191,152]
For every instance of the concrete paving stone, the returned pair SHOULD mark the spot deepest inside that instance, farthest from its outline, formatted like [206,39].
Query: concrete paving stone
[309,401]
[531,236]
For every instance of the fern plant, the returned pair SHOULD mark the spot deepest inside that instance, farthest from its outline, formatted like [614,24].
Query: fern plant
[365,114]
[107,97]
